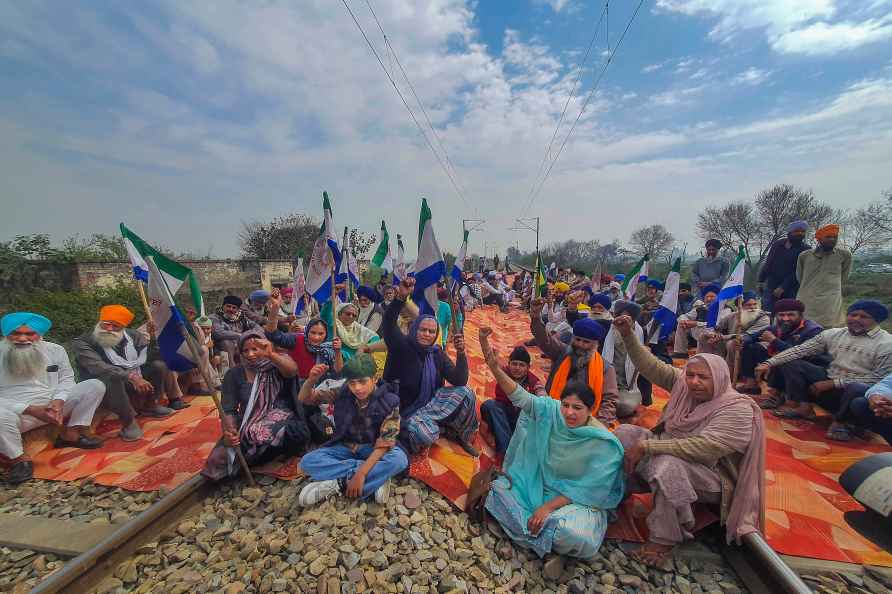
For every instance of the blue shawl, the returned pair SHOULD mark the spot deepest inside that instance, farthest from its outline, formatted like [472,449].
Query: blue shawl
[546,458]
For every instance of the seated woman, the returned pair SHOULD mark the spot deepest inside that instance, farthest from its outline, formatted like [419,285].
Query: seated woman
[564,471]
[362,454]
[308,348]
[370,311]
[354,336]
[709,446]
[421,367]
[262,414]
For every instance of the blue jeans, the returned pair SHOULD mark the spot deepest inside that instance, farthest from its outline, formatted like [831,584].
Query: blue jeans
[340,462]
[501,418]
[864,417]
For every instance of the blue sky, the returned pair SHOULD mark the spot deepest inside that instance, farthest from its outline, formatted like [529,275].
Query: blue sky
[185,119]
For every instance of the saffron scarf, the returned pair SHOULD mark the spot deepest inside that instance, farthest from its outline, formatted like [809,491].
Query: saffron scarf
[595,379]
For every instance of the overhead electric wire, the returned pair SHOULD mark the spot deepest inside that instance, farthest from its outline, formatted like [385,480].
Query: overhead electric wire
[591,94]
[406,104]
[564,111]
[394,56]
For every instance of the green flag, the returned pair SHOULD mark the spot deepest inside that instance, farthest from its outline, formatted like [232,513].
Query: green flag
[382,258]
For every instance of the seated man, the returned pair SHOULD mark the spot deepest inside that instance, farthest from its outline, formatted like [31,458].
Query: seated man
[119,358]
[499,413]
[362,455]
[790,329]
[651,300]
[633,388]
[579,361]
[255,309]
[492,293]
[685,299]
[862,356]
[37,388]
[600,304]
[692,325]
[229,323]
[873,411]
[722,340]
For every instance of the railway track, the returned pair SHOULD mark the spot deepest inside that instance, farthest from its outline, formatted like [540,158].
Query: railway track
[758,567]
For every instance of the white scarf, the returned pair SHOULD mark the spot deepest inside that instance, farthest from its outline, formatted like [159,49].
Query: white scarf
[607,354]
[131,359]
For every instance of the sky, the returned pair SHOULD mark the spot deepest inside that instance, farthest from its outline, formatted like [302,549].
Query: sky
[186,119]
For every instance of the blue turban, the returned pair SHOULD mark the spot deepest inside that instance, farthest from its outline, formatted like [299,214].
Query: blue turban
[14,321]
[747,295]
[797,226]
[655,284]
[874,309]
[619,278]
[259,296]
[372,295]
[709,289]
[589,329]
[602,298]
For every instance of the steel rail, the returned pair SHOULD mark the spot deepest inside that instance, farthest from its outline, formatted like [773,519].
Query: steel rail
[83,572]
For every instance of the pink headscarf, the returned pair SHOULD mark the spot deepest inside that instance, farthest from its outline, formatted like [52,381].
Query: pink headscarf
[684,417]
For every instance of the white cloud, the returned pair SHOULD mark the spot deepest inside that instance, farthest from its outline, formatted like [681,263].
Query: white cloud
[231,112]
[735,16]
[823,38]
[652,68]
[811,27]
[556,5]
[752,76]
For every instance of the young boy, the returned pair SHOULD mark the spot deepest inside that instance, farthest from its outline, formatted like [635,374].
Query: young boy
[362,454]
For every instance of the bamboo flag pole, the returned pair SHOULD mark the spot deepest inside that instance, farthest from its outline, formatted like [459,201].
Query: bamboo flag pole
[193,347]
[334,323]
[145,305]
[737,341]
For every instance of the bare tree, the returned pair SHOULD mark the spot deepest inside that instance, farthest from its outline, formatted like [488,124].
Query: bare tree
[654,240]
[866,227]
[758,224]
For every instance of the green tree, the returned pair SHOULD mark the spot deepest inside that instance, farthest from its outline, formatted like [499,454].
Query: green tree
[282,238]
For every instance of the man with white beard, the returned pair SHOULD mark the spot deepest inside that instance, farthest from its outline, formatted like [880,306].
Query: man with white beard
[37,388]
[119,358]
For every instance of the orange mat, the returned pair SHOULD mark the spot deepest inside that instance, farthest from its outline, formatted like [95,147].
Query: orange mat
[174,449]
[804,504]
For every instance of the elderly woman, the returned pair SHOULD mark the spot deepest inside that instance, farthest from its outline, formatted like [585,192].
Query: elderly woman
[262,414]
[563,471]
[354,336]
[709,446]
[370,312]
[422,368]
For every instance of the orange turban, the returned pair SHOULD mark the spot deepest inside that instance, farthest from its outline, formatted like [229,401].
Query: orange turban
[826,231]
[117,314]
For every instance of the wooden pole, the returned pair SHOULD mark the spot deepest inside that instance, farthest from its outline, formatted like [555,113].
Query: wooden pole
[334,314]
[196,354]
[145,304]
[737,342]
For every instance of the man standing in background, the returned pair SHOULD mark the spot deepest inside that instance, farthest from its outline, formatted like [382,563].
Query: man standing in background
[820,273]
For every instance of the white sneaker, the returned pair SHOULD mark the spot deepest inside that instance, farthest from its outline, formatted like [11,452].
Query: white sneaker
[382,493]
[318,491]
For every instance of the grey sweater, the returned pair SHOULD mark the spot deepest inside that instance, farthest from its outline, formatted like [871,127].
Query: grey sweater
[710,270]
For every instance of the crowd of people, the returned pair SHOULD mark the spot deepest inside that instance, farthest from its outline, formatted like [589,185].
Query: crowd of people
[356,387]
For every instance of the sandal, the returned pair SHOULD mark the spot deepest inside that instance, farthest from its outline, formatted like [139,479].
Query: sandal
[772,402]
[656,558]
[839,433]
[792,415]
